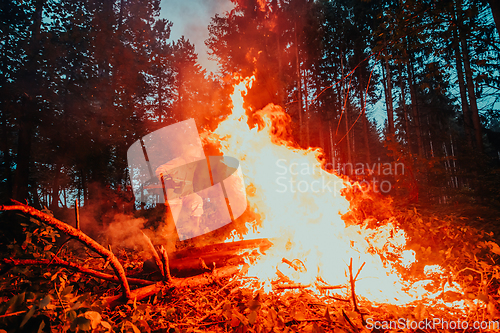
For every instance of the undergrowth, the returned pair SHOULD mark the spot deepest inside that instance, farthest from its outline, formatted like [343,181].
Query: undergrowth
[51,299]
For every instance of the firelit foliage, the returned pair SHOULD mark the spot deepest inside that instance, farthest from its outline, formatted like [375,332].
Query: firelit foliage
[45,298]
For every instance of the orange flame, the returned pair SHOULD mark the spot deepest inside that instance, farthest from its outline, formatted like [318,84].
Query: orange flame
[301,206]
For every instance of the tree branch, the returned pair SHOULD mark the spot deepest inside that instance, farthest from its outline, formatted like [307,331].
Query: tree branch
[70,265]
[77,234]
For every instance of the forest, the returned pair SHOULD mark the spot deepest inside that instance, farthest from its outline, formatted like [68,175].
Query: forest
[402,95]
[110,72]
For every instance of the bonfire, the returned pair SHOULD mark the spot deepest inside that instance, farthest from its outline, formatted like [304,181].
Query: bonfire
[305,258]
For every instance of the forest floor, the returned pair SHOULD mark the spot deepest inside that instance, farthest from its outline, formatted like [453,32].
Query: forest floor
[41,298]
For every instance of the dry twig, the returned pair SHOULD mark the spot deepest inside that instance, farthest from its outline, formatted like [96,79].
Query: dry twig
[352,280]
[77,214]
[353,293]
[328,287]
[290,286]
[154,253]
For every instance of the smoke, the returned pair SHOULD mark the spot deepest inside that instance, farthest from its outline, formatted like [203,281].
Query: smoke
[191,19]
[126,231]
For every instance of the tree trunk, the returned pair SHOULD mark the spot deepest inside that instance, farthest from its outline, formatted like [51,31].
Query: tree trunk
[365,120]
[7,158]
[321,138]
[306,109]
[344,95]
[332,147]
[281,93]
[299,83]
[403,105]
[470,85]
[414,106]
[54,204]
[388,97]
[463,90]
[348,141]
[5,132]
[29,104]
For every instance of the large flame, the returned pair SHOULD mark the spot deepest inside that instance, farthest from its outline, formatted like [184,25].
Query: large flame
[300,205]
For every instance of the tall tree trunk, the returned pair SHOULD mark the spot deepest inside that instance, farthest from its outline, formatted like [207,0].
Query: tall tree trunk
[414,107]
[389,101]
[22,175]
[347,138]
[430,136]
[299,84]
[29,105]
[463,90]
[54,204]
[344,95]
[332,147]
[306,109]
[365,119]
[281,92]
[160,92]
[452,147]
[470,83]
[321,138]
[5,148]
[403,105]
[5,132]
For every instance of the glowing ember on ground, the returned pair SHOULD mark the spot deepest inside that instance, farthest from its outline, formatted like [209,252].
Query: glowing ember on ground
[301,205]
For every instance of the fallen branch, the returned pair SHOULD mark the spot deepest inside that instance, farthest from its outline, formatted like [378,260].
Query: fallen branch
[77,234]
[328,287]
[340,299]
[290,286]
[70,265]
[190,282]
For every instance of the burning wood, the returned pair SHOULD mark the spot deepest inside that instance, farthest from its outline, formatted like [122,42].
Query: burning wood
[155,255]
[165,262]
[187,262]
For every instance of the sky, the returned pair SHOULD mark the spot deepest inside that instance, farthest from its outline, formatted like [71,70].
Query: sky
[190,19]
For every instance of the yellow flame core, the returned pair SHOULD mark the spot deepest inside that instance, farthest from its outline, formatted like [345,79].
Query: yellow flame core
[304,222]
